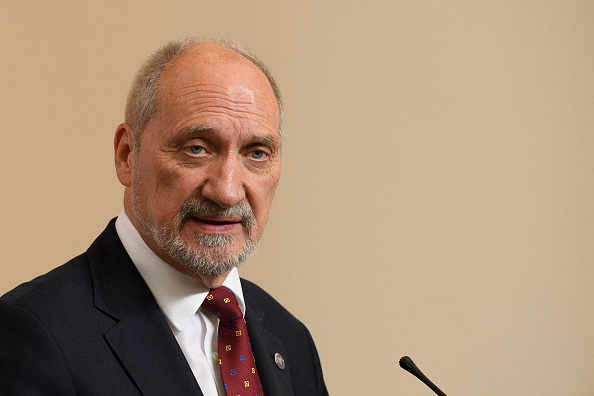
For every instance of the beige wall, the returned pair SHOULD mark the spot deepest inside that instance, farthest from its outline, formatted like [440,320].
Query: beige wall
[437,180]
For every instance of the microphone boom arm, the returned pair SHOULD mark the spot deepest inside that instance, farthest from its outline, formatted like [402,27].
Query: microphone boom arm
[407,364]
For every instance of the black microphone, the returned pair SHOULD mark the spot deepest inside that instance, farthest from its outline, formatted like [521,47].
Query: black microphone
[407,364]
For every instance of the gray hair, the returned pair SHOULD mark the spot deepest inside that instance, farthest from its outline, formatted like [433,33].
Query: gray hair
[141,104]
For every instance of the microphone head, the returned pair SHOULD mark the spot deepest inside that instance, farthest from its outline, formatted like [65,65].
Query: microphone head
[410,366]
[407,364]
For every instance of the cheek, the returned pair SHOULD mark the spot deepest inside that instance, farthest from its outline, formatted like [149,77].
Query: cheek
[172,190]
[273,179]
[161,188]
[263,195]
[166,177]
[174,180]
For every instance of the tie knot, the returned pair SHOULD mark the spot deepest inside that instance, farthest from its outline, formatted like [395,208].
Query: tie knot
[222,302]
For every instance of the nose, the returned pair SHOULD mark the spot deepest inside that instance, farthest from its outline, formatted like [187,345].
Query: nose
[224,183]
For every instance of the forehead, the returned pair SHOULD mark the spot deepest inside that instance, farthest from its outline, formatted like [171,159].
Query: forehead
[209,74]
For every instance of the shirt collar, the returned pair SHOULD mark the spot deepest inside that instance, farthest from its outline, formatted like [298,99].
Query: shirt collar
[178,295]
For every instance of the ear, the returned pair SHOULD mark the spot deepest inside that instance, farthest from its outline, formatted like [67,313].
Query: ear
[123,147]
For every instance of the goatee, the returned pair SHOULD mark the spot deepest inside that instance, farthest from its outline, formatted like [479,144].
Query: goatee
[204,254]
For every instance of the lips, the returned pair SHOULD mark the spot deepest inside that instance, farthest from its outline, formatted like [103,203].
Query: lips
[217,221]
[213,222]
[217,225]
[206,217]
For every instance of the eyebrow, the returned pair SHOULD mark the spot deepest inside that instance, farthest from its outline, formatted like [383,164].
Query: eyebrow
[265,139]
[196,130]
[193,130]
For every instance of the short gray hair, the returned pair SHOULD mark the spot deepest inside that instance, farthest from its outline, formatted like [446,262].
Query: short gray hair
[141,104]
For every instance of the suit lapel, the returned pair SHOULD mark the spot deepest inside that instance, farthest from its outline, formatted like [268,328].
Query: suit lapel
[141,339]
[150,354]
[275,381]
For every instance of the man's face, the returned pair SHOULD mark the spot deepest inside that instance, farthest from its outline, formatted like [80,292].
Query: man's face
[203,180]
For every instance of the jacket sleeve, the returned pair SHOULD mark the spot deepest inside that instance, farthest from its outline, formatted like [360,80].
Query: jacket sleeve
[320,384]
[31,363]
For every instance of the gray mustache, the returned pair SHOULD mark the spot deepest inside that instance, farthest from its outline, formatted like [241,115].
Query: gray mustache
[206,207]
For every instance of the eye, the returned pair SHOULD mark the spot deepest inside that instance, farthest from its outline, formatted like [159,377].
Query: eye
[196,150]
[257,154]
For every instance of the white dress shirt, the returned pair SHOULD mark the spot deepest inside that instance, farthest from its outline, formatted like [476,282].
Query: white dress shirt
[180,298]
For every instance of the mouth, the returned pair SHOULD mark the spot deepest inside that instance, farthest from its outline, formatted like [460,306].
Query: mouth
[210,225]
[206,217]
[216,222]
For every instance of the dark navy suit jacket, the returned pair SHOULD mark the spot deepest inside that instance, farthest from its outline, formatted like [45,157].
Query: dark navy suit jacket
[92,327]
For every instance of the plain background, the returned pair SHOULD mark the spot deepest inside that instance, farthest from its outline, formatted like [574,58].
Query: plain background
[437,191]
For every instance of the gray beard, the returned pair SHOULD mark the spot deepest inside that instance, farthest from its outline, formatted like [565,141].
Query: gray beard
[209,257]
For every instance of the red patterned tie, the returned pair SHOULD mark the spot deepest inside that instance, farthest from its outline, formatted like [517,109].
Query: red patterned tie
[238,367]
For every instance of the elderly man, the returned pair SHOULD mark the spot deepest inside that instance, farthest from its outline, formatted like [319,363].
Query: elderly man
[156,306]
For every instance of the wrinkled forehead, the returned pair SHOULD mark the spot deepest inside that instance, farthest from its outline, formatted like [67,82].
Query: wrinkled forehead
[212,65]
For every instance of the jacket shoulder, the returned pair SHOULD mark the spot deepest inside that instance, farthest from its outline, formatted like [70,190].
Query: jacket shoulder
[54,283]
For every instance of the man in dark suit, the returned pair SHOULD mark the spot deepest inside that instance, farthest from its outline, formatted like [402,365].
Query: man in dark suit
[199,156]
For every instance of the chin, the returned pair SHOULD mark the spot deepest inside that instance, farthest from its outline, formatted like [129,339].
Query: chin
[210,260]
